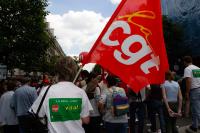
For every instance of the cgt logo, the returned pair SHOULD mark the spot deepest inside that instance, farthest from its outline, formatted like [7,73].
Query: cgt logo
[145,49]
[55,108]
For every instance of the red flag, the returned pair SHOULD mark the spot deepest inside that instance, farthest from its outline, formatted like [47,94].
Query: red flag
[131,45]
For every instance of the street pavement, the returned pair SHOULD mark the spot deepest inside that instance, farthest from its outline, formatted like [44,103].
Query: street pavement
[182,124]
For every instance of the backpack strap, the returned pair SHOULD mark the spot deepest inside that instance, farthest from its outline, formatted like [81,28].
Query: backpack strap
[41,102]
[109,94]
[114,89]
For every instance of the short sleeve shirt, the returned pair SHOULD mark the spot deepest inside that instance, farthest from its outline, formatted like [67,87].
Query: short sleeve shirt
[22,99]
[193,72]
[7,114]
[106,98]
[94,102]
[172,89]
[65,104]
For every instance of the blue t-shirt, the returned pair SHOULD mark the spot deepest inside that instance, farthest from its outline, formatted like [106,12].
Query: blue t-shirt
[23,99]
[171,89]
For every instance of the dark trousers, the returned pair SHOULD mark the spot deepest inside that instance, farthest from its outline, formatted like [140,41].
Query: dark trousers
[116,127]
[156,106]
[93,126]
[171,121]
[11,129]
[24,124]
[136,108]
[29,125]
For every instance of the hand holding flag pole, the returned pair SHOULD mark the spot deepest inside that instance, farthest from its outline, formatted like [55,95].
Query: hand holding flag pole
[82,59]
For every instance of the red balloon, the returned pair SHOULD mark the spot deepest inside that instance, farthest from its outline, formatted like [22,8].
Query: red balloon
[83,57]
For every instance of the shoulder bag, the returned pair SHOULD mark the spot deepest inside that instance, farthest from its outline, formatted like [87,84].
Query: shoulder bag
[39,125]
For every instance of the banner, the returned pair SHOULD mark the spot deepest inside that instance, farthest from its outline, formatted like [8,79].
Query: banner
[131,45]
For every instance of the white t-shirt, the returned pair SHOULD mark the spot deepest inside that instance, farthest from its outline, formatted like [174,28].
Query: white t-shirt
[65,104]
[193,72]
[95,111]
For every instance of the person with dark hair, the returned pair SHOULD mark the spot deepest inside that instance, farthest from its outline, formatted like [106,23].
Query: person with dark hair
[22,100]
[83,78]
[7,114]
[172,98]
[92,84]
[93,91]
[45,79]
[192,77]
[113,123]
[187,60]
[34,82]
[66,106]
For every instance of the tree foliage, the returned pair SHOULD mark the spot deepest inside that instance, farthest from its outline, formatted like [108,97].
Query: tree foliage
[23,36]
[48,65]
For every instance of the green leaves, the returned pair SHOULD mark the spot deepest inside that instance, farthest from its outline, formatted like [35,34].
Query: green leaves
[23,36]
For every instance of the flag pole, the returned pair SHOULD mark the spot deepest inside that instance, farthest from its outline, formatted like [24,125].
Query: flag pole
[78,73]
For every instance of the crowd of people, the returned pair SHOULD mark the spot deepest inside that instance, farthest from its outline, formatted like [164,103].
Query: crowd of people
[98,102]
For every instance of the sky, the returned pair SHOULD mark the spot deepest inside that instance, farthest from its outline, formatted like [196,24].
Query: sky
[78,23]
